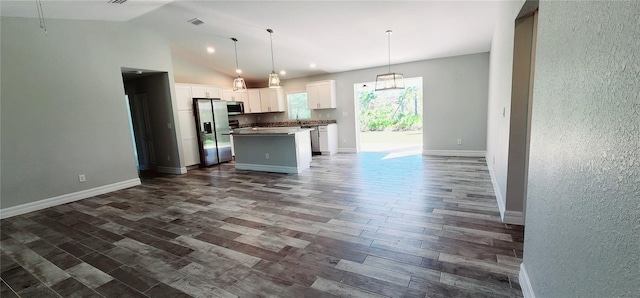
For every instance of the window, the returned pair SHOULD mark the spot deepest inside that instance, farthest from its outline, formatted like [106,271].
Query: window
[297,104]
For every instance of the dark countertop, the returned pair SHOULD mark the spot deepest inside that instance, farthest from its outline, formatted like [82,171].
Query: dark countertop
[302,123]
[266,131]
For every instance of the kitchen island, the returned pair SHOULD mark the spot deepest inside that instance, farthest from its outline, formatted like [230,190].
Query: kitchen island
[277,149]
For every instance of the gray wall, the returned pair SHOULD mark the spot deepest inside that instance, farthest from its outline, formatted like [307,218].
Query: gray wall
[583,209]
[455,100]
[63,104]
[499,107]
[186,71]
[519,121]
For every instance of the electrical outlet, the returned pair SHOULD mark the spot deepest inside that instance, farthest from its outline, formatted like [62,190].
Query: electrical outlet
[258,118]
[82,178]
[169,125]
[275,117]
[168,157]
[345,114]
[459,141]
[266,155]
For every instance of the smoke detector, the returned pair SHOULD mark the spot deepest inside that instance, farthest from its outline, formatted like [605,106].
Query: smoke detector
[195,21]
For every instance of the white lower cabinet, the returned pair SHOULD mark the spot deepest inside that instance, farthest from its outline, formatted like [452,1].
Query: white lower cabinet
[328,137]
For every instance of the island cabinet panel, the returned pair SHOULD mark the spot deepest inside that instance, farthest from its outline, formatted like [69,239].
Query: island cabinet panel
[272,99]
[321,95]
[253,99]
[283,150]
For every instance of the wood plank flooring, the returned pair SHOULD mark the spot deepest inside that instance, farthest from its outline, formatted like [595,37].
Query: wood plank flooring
[366,225]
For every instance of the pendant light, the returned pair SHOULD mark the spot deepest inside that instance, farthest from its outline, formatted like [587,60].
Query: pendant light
[389,80]
[239,83]
[274,80]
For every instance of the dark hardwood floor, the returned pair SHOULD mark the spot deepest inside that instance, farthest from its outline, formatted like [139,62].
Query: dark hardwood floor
[367,225]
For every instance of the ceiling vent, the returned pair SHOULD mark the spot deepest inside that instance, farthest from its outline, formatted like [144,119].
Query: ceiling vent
[116,1]
[195,21]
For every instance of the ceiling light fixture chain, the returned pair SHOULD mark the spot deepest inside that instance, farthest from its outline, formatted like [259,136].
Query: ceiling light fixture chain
[238,84]
[43,25]
[389,80]
[235,46]
[389,47]
[274,80]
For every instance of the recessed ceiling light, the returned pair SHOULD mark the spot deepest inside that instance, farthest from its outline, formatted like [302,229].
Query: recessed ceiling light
[312,65]
[238,71]
[282,72]
[211,50]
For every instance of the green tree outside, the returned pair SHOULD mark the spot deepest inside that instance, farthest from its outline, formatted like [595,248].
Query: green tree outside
[391,110]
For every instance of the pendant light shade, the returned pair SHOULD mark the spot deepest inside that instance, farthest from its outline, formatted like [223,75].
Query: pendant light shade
[238,84]
[389,80]
[274,79]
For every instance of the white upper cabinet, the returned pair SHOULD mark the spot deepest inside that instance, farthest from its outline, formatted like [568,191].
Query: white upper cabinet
[321,95]
[272,99]
[204,91]
[183,97]
[227,95]
[253,104]
[230,95]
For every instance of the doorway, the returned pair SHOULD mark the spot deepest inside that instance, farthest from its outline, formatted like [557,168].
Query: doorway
[390,120]
[148,99]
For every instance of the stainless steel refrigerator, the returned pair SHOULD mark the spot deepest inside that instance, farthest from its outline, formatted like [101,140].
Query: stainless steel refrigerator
[212,122]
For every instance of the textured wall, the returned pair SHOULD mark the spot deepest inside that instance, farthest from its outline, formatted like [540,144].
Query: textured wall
[583,213]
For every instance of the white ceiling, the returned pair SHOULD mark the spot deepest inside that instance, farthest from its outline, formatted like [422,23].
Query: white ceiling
[335,35]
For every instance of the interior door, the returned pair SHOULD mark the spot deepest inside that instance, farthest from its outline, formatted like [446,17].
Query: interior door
[142,131]
[206,132]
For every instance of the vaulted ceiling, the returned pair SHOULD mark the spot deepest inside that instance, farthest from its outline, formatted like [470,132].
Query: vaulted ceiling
[334,35]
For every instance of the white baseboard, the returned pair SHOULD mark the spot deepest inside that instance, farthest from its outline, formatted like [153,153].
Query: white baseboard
[512,217]
[461,153]
[66,198]
[525,283]
[496,189]
[507,216]
[268,168]
[347,150]
[172,170]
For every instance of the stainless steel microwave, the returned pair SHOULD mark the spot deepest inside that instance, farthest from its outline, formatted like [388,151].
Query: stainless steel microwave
[235,107]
